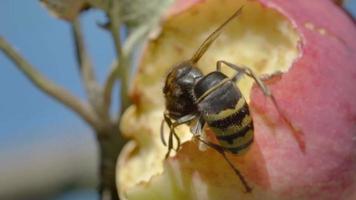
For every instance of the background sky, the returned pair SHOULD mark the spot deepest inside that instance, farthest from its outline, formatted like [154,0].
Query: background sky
[46,149]
[43,145]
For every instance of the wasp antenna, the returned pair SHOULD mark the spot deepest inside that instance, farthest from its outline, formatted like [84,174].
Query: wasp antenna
[206,44]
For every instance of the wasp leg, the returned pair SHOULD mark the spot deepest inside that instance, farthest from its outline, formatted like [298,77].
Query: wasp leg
[248,72]
[162,133]
[197,131]
[172,126]
[180,121]
[170,141]
[169,123]
[267,92]
[222,150]
[245,70]
[176,137]
[198,127]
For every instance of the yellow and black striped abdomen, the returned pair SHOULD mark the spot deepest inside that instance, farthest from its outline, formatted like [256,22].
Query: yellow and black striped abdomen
[226,112]
[233,127]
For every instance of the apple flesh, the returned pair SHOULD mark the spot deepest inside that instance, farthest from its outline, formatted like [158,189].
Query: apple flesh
[313,44]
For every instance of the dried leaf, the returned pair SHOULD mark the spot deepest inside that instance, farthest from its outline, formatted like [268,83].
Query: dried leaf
[65,9]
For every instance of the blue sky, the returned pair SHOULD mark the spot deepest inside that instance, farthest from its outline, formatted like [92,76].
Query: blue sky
[47,43]
[27,116]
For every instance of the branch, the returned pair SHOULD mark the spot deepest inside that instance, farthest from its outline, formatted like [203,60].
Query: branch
[47,86]
[83,58]
[136,36]
[120,70]
[109,85]
[86,70]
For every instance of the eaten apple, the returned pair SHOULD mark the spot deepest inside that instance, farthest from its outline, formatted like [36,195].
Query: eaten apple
[306,52]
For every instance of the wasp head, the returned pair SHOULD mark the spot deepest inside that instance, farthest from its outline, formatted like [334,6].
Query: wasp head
[178,90]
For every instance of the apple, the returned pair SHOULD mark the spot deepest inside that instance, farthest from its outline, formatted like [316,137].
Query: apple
[306,52]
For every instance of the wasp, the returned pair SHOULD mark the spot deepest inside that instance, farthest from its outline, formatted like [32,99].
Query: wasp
[212,99]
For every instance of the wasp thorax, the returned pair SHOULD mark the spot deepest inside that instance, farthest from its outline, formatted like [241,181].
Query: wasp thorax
[178,89]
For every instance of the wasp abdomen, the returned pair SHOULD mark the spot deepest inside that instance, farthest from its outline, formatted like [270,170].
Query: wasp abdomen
[226,112]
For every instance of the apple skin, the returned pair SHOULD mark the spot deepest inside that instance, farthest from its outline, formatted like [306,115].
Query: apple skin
[315,95]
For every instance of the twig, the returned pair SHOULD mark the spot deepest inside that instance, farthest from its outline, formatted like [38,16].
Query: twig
[123,65]
[120,71]
[136,36]
[83,58]
[50,88]
[116,74]
[109,85]
[86,70]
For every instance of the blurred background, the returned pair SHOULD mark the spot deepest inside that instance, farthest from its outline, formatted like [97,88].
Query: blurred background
[46,151]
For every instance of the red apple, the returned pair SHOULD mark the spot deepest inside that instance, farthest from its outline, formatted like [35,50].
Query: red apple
[313,44]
